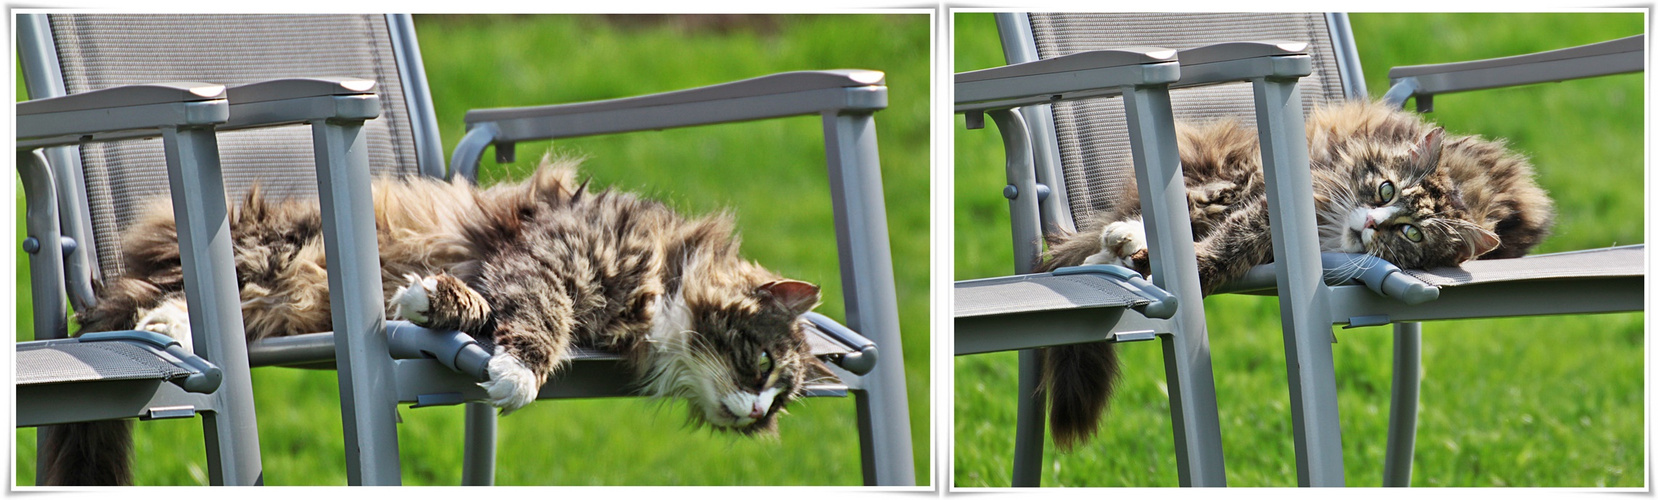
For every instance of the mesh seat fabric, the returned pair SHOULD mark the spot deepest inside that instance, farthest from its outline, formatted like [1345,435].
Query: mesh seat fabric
[44,363]
[1040,292]
[1615,262]
[101,51]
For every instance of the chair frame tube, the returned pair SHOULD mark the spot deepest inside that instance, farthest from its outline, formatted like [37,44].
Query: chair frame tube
[369,413]
[202,217]
[1186,358]
[1019,46]
[1301,291]
[871,299]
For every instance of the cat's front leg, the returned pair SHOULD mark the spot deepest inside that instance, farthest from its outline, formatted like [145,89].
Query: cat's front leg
[1123,243]
[170,318]
[442,302]
[525,356]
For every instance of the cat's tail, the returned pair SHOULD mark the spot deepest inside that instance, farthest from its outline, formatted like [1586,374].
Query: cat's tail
[87,454]
[100,453]
[1077,381]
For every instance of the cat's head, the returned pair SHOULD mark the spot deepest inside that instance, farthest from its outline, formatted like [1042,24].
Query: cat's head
[743,354]
[1392,201]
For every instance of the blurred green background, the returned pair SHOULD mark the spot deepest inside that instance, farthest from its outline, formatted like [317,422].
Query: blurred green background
[770,173]
[1543,401]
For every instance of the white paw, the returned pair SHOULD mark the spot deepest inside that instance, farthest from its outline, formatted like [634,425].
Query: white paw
[170,319]
[511,386]
[1118,241]
[410,302]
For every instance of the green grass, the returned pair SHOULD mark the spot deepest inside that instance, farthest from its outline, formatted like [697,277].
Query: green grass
[770,174]
[1544,401]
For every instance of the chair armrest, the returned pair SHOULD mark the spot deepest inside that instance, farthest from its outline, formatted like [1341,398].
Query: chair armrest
[130,111]
[1076,76]
[140,111]
[1380,276]
[772,96]
[297,100]
[1624,55]
[455,350]
[1234,61]
[861,352]
[1105,72]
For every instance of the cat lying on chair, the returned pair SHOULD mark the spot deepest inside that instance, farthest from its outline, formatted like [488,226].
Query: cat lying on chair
[1385,183]
[529,268]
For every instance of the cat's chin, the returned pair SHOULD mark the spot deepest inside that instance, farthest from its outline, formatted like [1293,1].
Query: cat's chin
[748,427]
[716,416]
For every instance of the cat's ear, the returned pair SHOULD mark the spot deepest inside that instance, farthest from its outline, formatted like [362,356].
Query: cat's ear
[1424,156]
[1478,242]
[797,297]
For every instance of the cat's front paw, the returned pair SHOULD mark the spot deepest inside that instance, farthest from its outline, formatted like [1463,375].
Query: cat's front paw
[412,302]
[511,385]
[1123,243]
[170,319]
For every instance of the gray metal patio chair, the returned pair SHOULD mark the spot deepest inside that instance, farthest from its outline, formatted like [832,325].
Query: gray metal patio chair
[94,192]
[1079,148]
[117,375]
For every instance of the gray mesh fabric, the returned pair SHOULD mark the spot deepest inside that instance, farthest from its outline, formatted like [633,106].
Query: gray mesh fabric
[58,362]
[1616,262]
[1040,292]
[100,51]
[1093,138]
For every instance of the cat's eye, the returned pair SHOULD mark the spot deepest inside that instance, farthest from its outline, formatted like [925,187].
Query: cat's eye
[1411,232]
[765,363]
[1385,191]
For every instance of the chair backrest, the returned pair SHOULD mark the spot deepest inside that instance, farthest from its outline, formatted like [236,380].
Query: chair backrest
[105,50]
[1092,137]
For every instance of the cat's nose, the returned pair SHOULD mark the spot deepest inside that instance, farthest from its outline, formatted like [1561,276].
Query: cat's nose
[756,412]
[1369,222]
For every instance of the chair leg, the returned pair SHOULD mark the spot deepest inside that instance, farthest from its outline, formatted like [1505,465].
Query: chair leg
[1407,385]
[368,407]
[1028,435]
[1311,364]
[200,210]
[854,169]
[1192,406]
[478,459]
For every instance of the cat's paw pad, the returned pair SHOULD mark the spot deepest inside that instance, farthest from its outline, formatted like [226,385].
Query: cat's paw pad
[511,385]
[170,319]
[412,302]
[1123,243]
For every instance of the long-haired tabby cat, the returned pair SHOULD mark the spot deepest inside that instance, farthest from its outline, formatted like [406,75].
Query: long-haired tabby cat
[530,268]
[1385,183]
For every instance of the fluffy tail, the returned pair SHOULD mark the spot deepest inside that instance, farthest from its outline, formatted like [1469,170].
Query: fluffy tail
[1077,379]
[87,454]
[100,453]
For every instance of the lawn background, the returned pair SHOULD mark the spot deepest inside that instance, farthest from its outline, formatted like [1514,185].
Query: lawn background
[771,174]
[1550,401]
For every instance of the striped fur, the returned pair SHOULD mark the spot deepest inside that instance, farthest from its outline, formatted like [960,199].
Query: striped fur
[532,268]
